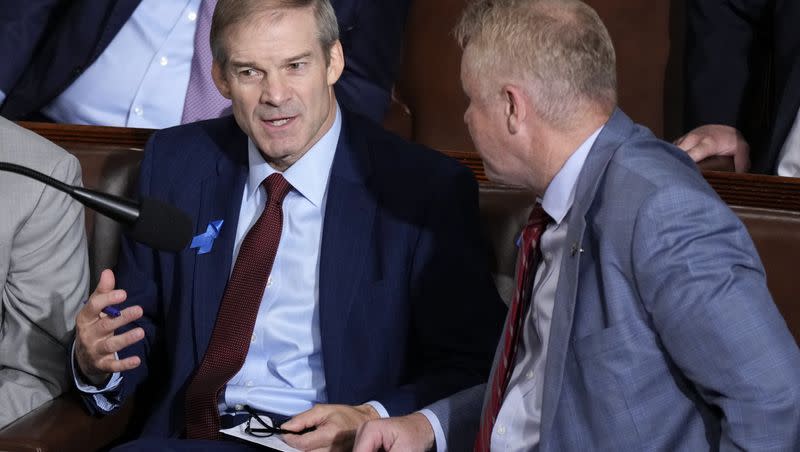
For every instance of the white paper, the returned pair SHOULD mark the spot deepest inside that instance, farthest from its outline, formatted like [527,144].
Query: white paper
[273,441]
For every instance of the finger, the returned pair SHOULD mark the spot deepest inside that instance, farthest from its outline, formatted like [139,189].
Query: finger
[111,364]
[687,141]
[116,343]
[106,283]
[370,438]
[319,438]
[703,150]
[741,159]
[307,419]
[108,325]
[98,301]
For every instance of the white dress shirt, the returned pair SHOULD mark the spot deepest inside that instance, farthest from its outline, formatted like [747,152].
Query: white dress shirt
[789,158]
[518,422]
[140,79]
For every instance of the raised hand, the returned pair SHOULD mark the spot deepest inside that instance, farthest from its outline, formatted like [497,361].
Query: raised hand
[95,342]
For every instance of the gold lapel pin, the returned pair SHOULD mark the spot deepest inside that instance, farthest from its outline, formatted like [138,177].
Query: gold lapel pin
[576,249]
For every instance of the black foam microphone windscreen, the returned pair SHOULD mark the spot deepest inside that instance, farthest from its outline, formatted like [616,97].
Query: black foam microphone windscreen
[161,226]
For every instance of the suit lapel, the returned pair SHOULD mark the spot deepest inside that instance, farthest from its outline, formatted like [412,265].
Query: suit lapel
[346,238]
[221,194]
[616,130]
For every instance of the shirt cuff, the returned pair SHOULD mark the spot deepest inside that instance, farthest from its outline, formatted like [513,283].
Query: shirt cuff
[101,396]
[438,432]
[379,408]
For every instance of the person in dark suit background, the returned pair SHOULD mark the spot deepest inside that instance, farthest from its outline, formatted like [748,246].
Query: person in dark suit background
[127,62]
[737,51]
[378,301]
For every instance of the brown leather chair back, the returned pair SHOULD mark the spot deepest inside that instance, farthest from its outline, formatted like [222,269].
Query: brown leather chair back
[503,213]
[776,234]
[113,171]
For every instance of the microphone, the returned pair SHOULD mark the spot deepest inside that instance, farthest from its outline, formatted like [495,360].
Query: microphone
[151,222]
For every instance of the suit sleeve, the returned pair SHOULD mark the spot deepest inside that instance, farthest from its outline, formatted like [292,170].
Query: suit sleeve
[456,310]
[136,273]
[22,25]
[372,36]
[46,285]
[719,41]
[458,418]
[704,286]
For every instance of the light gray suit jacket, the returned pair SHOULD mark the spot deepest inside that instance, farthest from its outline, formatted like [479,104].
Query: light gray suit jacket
[44,273]
[664,335]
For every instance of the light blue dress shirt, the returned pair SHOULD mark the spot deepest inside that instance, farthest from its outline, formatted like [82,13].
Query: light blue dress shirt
[140,79]
[283,370]
[518,422]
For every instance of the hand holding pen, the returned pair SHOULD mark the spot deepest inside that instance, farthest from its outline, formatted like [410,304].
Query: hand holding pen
[96,343]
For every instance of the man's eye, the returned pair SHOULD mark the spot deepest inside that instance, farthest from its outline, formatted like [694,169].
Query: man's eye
[248,73]
[297,66]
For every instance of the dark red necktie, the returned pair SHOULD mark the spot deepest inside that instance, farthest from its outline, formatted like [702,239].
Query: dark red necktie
[230,339]
[527,261]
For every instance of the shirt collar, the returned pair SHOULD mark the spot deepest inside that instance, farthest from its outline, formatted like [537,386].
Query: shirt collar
[560,193]
[309,175]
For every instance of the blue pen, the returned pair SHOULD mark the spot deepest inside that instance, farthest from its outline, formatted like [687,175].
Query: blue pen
[110,311]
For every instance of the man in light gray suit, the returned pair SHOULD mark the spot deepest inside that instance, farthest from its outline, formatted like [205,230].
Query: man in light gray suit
[44,273]
[650,326]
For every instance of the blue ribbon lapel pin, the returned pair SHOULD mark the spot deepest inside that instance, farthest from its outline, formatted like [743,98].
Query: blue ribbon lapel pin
[203,242]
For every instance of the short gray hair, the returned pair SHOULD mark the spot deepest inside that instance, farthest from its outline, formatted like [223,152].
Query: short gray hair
[229,13]
[560,46]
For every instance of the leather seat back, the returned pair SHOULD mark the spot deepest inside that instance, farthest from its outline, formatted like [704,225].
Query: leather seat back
[110,170]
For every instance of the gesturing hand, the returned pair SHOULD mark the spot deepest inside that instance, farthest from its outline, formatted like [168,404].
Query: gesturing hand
[95,341]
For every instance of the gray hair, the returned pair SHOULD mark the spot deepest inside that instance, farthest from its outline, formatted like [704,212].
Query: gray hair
[229,13]
[559,47]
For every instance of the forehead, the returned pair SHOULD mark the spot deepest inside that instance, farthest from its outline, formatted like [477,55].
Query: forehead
[273,34]
[468,72]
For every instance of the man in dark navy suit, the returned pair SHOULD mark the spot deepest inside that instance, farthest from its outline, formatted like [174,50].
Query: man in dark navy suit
[126,62]
[374,299]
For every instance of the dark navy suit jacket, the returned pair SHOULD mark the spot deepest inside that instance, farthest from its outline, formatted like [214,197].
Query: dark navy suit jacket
[408,310]
[46,44]
[725,40]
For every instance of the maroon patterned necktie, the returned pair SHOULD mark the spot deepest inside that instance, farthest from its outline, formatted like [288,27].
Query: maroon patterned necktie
[527,261]
[203,100]
[230,339]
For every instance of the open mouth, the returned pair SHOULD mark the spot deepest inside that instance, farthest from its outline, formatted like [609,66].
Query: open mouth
[279,122]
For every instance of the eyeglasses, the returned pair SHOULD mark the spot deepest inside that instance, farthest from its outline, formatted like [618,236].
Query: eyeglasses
[256,426]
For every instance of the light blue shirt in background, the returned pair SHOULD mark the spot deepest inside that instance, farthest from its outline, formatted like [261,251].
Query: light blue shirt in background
[140,79]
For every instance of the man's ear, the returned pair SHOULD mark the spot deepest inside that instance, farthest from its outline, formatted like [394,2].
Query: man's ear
[336,63]
[222,83]
[516,109]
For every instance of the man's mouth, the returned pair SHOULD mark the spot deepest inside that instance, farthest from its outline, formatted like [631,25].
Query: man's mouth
[278,122]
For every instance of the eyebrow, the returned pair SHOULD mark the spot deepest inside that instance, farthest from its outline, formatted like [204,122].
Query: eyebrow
[236,63]
[241,63]
[298,57]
